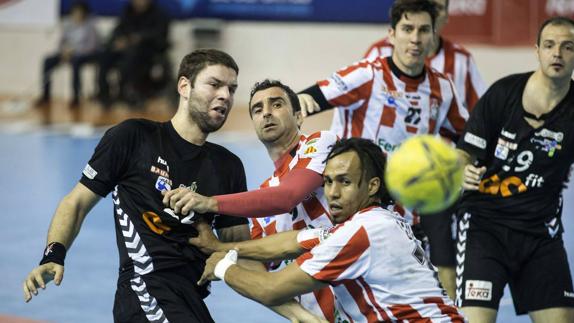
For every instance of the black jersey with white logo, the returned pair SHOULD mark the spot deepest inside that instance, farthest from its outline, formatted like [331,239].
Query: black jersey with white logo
[527,168]
[137,160]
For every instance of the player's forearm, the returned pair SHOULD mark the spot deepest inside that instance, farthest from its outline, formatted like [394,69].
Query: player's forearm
[290,309]
[278,246]
[294,188]
[66,222]
[258,286]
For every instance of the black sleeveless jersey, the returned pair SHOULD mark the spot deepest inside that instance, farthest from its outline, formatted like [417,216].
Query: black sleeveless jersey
[136,160]
[527,168]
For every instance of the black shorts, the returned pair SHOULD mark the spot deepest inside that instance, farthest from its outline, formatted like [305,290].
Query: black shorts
[161,296]
[489,256]
[440,231]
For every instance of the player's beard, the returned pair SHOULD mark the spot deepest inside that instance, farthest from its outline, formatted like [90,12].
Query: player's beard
[202,118]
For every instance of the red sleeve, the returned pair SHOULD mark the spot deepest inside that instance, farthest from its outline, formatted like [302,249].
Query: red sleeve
[294,187]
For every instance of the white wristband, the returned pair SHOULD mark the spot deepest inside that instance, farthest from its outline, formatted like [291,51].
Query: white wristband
[224,264]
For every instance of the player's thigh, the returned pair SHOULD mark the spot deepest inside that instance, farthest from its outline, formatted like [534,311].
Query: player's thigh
[553,315]
[482,270]
[479,314]
[544,280]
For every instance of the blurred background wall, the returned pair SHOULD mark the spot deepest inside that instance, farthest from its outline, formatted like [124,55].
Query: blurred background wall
[297,41]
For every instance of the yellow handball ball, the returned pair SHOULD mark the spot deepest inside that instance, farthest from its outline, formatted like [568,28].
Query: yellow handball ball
[424,174]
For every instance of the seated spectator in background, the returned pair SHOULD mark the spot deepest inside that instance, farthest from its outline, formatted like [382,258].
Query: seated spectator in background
[78,45]
[139,37]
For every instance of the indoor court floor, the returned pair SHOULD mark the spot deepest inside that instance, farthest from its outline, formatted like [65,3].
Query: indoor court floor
[40,165]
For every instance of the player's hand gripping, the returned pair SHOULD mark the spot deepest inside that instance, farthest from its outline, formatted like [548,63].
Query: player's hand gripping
[206,241]
[40,276]
[209,271]
[182,201]
[308,104]
[472,177]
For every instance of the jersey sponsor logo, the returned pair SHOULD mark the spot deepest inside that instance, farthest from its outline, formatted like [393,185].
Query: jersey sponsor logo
[386,146]
[547,145]
[340,83]
[501,152]
[475,140]
[558,136]
[159,171]
[534,180]
[503,147]
[505,188]
[163,184]
[480,290]
[89,172]
[310,150]
[508,135]
[163,162]
[155,223]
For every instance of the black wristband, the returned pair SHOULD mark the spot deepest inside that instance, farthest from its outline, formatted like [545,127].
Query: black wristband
[55,252]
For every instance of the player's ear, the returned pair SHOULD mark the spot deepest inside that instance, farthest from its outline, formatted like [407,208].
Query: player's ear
[374,185]
[183,87]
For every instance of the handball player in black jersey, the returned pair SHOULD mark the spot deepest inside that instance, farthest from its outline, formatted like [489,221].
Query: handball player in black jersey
[519,149]
[136,161]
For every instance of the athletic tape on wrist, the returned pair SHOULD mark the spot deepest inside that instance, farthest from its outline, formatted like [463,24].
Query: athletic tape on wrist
[54,252]
[224,264]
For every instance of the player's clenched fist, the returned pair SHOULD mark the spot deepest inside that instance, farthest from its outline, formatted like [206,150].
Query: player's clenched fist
[40,276]
[472,177]
[182,201]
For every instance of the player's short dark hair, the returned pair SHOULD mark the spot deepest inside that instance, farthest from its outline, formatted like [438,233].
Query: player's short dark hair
[83,6]
[196,61]
[402,7]
[560,20]
[266,84]
[373,161]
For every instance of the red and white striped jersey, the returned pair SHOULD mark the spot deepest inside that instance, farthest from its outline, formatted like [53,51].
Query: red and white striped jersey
[375,103]
[310,153]
[452,60]
[378,270]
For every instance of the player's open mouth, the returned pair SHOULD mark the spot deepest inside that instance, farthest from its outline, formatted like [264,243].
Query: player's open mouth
[269,125]
[335,208]
[221,110]
[557,65]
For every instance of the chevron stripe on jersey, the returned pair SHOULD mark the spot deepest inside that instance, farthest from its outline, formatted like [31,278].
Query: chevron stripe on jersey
[452,60]
[379,271]
[310,153]
[148,303]
[134,245]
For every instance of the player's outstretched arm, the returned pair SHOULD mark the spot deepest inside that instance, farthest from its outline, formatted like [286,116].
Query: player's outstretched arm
[282,245]
[268,288]
[238,235]
[65,226]
[293,189]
